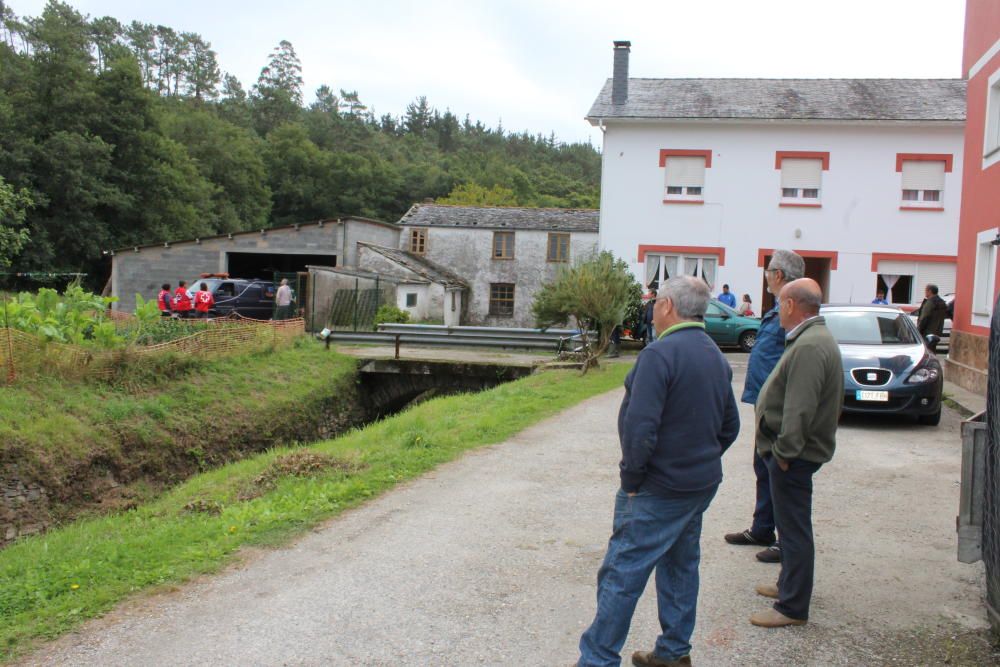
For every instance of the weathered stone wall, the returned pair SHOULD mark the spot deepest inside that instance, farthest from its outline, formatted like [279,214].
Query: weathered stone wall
[469,253]
[968,356]
[24,506]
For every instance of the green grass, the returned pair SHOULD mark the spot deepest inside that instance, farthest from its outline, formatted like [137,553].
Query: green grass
[50,584]
[174,421]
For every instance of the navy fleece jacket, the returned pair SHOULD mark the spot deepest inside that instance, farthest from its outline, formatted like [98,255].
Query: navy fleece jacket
[678,416]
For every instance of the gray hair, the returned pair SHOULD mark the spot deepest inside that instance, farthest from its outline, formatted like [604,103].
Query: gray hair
[689,295]
[791,265]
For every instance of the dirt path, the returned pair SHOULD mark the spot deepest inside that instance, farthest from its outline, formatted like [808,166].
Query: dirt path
[492,560]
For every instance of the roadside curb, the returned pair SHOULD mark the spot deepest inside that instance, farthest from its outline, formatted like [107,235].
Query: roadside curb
[968,401]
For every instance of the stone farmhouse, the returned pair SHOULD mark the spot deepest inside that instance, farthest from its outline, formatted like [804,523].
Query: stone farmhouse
[448,264]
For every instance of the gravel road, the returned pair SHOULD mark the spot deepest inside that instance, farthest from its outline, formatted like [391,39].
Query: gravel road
[492,560]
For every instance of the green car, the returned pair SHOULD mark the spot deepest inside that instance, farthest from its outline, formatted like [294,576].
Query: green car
[729,328]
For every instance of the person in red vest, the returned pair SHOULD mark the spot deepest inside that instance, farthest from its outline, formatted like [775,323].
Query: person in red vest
[182,300]
[163,300]
[203,301]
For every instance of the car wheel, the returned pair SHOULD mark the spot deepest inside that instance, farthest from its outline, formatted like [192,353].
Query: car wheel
[932,419]
[747,340]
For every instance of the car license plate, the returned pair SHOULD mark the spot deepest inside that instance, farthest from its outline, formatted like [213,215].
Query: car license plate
[871,395]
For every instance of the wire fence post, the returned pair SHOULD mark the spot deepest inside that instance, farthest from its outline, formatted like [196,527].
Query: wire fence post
[11,371]
[356,288]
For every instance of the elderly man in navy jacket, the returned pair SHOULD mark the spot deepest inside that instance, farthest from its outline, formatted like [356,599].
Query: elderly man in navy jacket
[678,417]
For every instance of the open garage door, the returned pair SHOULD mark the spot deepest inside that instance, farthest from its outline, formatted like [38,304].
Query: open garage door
[266,265]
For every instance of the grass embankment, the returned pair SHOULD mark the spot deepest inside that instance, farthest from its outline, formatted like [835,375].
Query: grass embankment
[51,583]
[168,422]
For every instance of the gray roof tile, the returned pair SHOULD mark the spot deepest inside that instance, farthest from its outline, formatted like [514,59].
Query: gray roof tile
[421,266]
[787,99]
[501,217]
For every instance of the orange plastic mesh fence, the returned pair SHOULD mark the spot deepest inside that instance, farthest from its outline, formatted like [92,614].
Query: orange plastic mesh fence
[22,352]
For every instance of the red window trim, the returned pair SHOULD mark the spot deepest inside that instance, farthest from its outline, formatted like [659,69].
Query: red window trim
[803,155]
[910,257]
[794,205]
[685,152]
[937,209]
[947,158]
[832,255]
[683,201]
[691,249]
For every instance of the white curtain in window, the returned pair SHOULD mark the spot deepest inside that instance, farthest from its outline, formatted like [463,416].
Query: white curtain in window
[652,268]
[889,279]
[801,172]
[686,171]
[708,272]
[923,174]
[669,266]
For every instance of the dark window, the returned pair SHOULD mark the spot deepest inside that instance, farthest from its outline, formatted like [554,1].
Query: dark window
[789,192]
[911,195]
[502,299]
[503,245]
[932,195]
[411,299]
[694,190]
[810,193]
[675,190]
[558,248]
[226,290]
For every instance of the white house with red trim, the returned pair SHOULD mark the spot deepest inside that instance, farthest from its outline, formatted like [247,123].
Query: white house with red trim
[862,177]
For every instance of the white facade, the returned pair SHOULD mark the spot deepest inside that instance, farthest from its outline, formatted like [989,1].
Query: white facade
[861,227]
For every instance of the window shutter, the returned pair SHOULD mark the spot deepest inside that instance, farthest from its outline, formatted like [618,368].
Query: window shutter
[801,173]
[941,274]
[923,175]
[897,268]
[686,171]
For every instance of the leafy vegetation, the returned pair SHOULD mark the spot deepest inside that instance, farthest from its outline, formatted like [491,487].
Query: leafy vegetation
[596,293]
[116,134]
[50,584]
[388,313]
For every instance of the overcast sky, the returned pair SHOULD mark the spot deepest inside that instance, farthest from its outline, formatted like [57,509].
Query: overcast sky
[539,64]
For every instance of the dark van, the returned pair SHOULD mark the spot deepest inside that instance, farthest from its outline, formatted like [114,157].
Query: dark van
[252,298]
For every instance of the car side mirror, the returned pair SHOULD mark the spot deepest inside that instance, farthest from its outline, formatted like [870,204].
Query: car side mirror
[932,340]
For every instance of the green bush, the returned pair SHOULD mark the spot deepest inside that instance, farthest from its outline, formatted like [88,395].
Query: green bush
[390,314]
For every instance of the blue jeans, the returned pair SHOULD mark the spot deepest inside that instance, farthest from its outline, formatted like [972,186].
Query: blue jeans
[763,511]
[649,532]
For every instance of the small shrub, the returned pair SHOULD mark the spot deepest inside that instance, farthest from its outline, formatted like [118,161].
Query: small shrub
[390,314]
[416,440]
[303,463]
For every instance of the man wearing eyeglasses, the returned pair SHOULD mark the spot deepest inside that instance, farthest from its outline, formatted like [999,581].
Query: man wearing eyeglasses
[784,267]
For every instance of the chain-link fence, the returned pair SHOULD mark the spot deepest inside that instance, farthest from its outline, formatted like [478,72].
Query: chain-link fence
[991,511]
[347,300]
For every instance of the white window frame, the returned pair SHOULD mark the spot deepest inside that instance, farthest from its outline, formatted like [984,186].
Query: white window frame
[922,200]
[991,129]
[686,195]
[679,261]
[984,278]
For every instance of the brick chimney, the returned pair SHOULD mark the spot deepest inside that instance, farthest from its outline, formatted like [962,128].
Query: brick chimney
[619,81]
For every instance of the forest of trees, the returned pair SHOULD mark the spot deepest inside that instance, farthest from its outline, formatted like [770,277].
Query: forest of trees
[115,134]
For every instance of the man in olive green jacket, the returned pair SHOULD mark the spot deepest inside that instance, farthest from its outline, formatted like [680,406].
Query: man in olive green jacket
[797,414]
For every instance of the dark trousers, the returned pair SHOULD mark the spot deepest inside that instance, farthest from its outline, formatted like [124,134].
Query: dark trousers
[763,511]
[791,492]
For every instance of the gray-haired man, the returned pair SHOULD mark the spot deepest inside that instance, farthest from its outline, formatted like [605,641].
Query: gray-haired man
[677,418]
[785,267]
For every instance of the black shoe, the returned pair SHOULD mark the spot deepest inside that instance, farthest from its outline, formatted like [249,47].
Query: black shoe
[772,554]
[650,659]
[746,538]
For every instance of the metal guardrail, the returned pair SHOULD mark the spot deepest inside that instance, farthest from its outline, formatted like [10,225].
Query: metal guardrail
[437,335]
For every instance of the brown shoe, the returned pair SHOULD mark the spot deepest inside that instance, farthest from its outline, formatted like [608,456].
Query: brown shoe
[768,591]
[772,554]
[650,659]
[746,538]
[772,618]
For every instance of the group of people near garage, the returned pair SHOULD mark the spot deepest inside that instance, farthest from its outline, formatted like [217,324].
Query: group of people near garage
[183,303]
